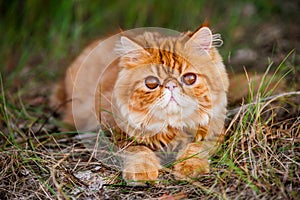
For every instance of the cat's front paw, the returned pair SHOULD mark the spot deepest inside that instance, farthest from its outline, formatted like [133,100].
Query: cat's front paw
[140,173]
[191,168]
[140,166]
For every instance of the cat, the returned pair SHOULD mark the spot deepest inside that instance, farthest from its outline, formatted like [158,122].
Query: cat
[159,92]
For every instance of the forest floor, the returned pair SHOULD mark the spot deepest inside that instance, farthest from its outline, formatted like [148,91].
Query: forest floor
[259,158]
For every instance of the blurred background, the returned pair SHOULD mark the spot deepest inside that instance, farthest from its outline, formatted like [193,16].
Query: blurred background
[39,38]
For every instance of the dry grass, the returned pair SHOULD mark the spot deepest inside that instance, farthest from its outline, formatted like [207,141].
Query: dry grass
[260,158]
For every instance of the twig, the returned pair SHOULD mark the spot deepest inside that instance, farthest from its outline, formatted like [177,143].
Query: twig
[272,98]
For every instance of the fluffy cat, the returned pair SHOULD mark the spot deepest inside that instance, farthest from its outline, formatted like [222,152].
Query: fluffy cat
[159,93]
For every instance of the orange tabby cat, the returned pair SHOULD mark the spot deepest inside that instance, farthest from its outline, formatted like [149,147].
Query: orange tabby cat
[159,93]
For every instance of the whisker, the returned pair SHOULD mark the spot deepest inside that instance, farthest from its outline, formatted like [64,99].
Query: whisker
[195,103]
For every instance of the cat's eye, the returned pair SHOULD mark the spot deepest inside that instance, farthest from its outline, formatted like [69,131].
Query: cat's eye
[189,78]
[152,82]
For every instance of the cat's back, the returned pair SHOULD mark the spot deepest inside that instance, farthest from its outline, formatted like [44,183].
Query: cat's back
[93,72]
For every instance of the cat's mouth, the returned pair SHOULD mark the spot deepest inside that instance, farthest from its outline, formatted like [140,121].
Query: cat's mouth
[173,100]
[173,106]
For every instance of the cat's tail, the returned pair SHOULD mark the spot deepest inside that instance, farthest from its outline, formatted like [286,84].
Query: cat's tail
[58,96]
[60,104]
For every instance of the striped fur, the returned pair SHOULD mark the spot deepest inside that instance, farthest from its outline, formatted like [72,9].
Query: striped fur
[172,114]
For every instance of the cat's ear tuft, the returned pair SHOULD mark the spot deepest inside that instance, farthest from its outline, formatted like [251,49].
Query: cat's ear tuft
[129,48]
[201,39]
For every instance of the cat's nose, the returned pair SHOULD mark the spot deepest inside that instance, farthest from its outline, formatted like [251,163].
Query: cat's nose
[171,85]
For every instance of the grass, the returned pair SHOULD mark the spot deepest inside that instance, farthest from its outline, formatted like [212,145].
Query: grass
[260,149]
[258,160]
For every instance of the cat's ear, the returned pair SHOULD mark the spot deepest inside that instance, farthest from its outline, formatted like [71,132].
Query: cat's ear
[129,49]
[201,39]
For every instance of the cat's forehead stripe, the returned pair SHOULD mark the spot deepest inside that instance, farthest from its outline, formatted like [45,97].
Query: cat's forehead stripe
[170,61]
[167,52]
[163,70]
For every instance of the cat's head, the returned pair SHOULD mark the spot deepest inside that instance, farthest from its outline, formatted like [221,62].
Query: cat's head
[168,81]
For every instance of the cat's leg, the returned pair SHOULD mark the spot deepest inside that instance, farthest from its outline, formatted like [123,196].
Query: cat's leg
[140,165]
[193,160]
